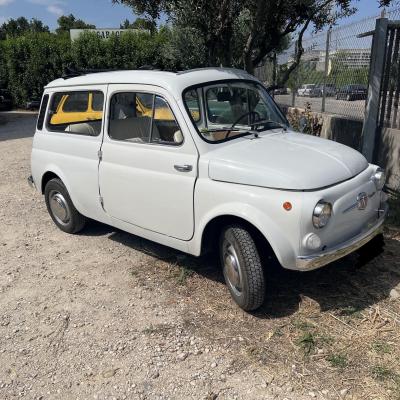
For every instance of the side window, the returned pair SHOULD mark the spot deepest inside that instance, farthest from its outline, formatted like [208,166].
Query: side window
[192,102]
[70,112]
[76,102]
[42,112]
[143,118]
[97,101]
[130,117]
[165,129]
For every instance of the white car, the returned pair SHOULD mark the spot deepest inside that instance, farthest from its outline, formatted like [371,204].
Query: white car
[202,160]
[306,90]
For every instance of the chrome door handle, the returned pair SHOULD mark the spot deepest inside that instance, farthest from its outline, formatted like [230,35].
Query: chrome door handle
[183,168]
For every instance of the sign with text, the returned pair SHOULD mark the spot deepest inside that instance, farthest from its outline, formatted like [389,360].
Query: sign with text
[102,33]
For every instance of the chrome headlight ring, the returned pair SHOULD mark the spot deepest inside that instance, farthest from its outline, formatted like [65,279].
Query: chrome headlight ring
[379,178]
[321,214]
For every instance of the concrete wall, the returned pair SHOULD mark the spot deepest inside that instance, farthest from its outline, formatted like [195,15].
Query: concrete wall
[337,127]
[389,156]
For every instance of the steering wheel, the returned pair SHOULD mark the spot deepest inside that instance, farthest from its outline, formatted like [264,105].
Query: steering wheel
[256,117]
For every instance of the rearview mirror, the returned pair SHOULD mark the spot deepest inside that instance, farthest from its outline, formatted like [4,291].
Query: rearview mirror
[223,96]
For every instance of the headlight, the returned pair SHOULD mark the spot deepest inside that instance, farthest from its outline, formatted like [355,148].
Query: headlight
[379,178]
[322,213]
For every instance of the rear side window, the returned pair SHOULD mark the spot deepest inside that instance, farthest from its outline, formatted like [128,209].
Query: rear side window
[143,118]
[79,112]
[42,112]
[76,102]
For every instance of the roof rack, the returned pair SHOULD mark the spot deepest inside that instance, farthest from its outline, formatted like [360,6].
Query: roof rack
[73,73]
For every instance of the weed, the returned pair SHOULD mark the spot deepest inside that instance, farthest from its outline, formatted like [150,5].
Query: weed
[337,360]
[302,325]
[184,274]
[350,311]
[306,342]
[133,272]
[381,373]
[381,347]
[326,339]
[278,332]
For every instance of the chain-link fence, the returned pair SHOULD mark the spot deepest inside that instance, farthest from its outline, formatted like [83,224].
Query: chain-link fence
[332,75]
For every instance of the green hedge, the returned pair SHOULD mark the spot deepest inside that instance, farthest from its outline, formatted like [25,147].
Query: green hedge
[29,62]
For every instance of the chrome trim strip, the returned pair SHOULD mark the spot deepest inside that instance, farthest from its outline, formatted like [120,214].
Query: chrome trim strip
[353,206]
[314,261]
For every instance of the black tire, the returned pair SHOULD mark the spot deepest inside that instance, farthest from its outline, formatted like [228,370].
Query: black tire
[54,192]
[248,289]
[349,97]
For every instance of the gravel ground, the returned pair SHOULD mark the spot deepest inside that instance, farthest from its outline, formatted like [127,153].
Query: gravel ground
[107,315]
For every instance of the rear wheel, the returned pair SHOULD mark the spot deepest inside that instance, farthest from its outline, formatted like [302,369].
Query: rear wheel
[61,209]
[242,267]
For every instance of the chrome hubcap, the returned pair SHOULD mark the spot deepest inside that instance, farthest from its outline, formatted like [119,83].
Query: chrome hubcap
[59,207]
[232,270]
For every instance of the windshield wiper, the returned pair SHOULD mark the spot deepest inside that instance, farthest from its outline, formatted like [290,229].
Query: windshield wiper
[269,121]
[224,128]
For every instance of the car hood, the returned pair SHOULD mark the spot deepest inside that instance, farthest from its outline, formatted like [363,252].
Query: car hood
[285,160]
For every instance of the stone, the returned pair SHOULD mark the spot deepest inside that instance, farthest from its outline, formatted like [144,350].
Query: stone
[394,294]
[182,356]
[109,373]
[155,374]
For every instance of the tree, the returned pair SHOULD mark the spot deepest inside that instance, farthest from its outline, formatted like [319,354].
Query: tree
[67,22]
[21,26]
[253,28]
[141,24]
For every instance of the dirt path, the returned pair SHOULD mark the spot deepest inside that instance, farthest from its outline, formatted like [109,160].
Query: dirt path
[107,315]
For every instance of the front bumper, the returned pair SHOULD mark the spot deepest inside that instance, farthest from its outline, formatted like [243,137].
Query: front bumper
[317,260]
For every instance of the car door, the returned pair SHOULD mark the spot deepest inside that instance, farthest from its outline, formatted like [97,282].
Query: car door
[68,144]
[148,164]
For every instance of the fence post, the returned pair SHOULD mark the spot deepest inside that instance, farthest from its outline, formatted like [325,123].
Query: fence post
[328,44]
[370,127]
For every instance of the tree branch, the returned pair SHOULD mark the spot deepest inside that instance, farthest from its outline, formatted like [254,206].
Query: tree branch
[299,52]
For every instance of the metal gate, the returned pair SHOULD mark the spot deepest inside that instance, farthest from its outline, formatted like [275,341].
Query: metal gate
[383,103]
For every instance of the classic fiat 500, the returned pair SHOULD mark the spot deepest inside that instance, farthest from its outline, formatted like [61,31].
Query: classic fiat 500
[202,160]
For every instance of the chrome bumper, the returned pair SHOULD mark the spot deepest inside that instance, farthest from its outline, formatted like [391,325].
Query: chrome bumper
[31,182]
[314,261]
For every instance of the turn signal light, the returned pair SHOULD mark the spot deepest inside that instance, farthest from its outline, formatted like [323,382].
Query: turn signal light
[287,205]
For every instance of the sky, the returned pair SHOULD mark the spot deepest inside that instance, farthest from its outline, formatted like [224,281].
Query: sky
[104,14]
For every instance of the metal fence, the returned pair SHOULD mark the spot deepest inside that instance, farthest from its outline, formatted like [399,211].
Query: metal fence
[333,72]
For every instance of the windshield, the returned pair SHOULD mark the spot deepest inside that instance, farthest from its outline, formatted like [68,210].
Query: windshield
[224,110]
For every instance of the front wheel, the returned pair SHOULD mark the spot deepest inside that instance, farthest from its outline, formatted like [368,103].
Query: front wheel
[242,267]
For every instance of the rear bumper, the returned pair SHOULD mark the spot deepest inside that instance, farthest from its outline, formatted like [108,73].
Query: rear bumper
[317,260]
[31,182]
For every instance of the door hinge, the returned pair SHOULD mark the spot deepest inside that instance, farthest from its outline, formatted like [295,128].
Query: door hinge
[100,154]
[101,201]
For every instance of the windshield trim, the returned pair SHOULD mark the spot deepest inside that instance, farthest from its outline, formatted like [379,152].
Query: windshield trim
[202,85]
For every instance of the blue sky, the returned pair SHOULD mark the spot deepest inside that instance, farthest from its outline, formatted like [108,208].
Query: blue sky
[103,13]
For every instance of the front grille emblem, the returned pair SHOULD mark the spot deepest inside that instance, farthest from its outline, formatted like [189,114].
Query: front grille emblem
[362,201]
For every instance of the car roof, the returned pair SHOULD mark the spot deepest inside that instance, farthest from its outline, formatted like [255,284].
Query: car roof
[174,82]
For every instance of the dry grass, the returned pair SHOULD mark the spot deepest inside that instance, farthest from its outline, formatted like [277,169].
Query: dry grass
[328,330]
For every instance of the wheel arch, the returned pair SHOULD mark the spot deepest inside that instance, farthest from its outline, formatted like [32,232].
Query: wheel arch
[47,176]
[214,227]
